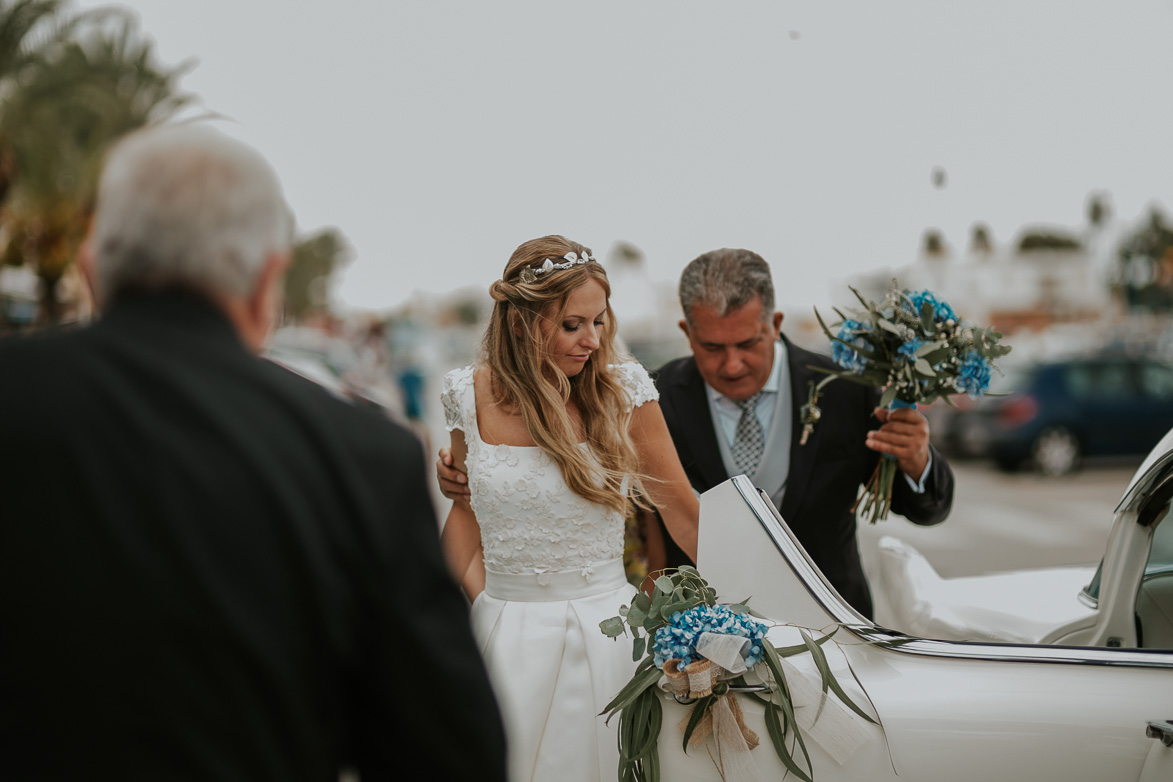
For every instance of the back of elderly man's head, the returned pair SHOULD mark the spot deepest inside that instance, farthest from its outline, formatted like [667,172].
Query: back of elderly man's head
[185,206]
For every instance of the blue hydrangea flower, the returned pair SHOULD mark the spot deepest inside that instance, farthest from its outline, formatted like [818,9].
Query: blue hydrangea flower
[941,309]
[973,376]
[844,356]
[909,349]
[677,640]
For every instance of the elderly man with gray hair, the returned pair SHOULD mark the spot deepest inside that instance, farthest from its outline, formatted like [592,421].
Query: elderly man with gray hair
[209,567]
[733,406]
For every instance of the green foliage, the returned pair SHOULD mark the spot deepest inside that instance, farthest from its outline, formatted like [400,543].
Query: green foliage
[1033,241]
[1142,256]
[70,85]
[314,261]
[638,703]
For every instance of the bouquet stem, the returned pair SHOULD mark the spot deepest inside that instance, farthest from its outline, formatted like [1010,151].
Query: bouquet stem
[876,499]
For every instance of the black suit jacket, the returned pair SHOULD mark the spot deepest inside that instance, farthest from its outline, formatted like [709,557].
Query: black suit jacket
[211,569]
[825,474]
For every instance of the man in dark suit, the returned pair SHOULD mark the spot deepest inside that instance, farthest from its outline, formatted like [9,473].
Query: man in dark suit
[733,406]
[209,567]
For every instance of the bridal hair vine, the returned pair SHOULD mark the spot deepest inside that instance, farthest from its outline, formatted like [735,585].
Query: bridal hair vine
[530,274]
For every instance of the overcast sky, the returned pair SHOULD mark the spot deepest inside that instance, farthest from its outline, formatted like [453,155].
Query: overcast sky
[438,136]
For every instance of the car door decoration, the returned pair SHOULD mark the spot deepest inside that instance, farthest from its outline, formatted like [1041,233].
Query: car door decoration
[708,654]
[914,347]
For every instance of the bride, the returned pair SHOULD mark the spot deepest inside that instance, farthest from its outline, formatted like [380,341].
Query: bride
[557,434]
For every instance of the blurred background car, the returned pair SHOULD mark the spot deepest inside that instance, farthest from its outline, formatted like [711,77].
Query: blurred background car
[1053,415]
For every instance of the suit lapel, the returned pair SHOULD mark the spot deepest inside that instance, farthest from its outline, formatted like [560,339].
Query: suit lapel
[802,457]
[702,438]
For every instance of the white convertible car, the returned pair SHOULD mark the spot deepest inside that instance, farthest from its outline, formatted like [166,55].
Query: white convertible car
[1081,697]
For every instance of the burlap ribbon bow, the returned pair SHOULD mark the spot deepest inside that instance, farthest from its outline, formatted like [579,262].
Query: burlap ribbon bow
[733,739]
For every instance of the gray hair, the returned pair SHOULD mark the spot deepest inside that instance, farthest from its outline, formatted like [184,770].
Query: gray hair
[187,206]
[726,280]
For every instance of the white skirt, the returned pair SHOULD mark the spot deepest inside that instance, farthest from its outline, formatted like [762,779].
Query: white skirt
[552,668]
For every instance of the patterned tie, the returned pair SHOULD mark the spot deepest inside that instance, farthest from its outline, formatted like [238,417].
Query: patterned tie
[749,442]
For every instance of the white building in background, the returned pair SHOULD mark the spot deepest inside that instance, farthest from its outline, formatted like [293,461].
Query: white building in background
[1053,296]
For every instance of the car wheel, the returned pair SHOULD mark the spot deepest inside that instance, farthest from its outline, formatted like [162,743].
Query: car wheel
[1056,451]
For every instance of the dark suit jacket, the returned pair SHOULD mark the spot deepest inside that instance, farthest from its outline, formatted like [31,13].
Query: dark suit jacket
[825,474]
[210,569]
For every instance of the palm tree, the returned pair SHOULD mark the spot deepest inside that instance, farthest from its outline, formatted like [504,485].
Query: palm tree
[26,28]
[315,259]
[80,94]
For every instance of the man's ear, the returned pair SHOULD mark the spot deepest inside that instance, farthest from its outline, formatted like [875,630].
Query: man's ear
[683,324]
[264,304]
[777,324]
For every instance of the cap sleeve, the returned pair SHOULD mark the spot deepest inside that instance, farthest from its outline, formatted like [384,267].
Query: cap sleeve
[636,382]
[456,397]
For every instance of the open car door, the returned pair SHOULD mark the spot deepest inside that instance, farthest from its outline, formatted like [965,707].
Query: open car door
[949,710]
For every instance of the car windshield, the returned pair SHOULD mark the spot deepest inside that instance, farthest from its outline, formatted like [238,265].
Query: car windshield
[1160,559]
[1161,554]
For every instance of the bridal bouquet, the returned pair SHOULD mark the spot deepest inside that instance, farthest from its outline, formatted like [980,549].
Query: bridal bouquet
[700,651]
[916,348]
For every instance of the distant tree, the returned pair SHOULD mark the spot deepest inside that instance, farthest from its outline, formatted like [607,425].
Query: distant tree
[315,259]
[1144,276]
[27,28]
[1098,209]
[1034,240]
[980,241]
[468,311]
[626,254]
[72,100]
[933,243]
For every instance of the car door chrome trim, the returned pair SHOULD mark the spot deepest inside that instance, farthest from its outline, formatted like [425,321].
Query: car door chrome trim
[821,590]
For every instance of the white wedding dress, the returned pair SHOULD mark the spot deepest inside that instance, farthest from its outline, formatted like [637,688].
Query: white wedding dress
[553,571]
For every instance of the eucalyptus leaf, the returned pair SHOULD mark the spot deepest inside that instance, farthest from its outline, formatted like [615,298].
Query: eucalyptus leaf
[637,649]
[829,680]
[936,354]
[613,627]
[926,317]
[646,676]
[923,367]
[930,347]
[888,395]
[684,605]
[694,718]
[664,584]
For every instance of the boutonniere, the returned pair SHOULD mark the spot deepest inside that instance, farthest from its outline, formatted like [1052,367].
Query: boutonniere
[809,413]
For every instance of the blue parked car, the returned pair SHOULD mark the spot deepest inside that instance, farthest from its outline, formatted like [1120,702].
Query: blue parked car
[1057,413]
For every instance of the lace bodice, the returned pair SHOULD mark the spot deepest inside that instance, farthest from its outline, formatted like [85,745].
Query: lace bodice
[530,521]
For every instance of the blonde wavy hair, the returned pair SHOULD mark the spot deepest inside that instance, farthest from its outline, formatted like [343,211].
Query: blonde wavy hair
[525,377]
